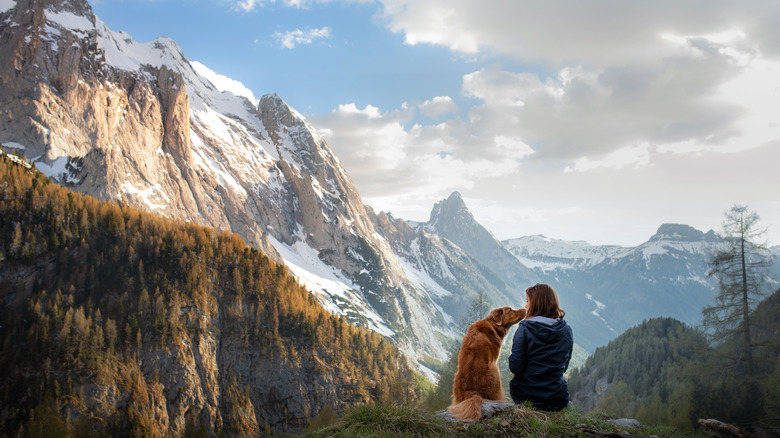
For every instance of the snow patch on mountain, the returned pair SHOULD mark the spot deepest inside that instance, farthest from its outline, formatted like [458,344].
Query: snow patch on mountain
[224,83]
[148,195]
[70,21]
[206,158]
[599,307]
[6,5]
[14,145]
[16,159]
[338,294]
[440,267]
[124,53]
[423,280]
[652,248]
[546,254]
[56,169]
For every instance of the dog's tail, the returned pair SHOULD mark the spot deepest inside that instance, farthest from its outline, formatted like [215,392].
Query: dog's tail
[469,409]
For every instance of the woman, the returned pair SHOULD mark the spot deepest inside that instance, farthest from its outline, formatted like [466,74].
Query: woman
[541,349]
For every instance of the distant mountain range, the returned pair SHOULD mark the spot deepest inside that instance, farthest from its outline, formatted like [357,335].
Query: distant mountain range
[608,289]
[140,124]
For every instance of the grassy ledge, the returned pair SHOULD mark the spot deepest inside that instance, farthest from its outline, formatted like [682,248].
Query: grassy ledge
[408,421]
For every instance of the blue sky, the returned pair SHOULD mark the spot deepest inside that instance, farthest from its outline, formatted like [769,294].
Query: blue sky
[359,60]
[594,121]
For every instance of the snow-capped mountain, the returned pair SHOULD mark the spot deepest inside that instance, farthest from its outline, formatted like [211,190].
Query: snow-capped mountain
[140,123]
[608,289]
[451,220]
[546,254]
[454,272]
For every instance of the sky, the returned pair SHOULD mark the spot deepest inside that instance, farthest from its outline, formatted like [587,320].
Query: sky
[595,121]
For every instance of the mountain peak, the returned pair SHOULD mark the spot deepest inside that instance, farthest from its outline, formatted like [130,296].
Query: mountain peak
[271,105]
[456,198]
[275,103]
[448,210]
[272,100]
[78,8]
[681,233]
[34,14]
[452,220]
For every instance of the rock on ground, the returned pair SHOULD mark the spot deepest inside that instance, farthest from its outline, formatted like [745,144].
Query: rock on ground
[489,408]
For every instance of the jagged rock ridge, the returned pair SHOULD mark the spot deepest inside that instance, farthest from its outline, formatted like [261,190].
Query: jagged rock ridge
[452,220]
[136,122]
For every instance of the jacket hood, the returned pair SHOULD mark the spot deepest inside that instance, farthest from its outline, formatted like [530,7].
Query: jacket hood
[546,329]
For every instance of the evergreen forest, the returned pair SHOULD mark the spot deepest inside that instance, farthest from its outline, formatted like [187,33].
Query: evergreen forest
[118,322]
[664,372]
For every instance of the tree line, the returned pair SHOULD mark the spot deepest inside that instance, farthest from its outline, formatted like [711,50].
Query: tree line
[728,368]
[90,290]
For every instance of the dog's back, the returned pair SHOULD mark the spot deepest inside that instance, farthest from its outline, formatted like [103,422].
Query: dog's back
[478,378]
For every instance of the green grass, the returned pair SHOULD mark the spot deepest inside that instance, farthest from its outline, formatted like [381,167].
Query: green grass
[384,421]
[405,421]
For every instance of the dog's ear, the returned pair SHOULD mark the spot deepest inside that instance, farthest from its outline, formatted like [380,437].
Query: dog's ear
[496,315]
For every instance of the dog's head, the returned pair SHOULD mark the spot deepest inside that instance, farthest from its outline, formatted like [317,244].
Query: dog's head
[506,316]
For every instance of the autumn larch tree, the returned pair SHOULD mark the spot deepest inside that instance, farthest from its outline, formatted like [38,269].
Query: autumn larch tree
[741,268]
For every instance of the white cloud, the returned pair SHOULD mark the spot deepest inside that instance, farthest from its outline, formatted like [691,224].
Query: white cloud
[609,109]
[438,106]
[614,74]
[630,156]
[387,157]
[581,112]
[498,87]
[559,33]
[248,5]
[369,142]
[291,38]
[512,148]
[369,111]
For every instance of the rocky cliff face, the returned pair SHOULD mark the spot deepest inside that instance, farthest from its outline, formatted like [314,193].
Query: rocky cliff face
[107,132]
[453,276]
[122,323]
[451,219]
[120,120]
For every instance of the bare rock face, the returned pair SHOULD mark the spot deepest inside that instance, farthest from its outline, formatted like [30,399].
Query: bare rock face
[328,205]
[109,132]
[119,120]
[138,124]
[94,125]
[176,110]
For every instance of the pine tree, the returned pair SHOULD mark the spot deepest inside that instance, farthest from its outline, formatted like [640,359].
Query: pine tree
[741,269]
[478,309]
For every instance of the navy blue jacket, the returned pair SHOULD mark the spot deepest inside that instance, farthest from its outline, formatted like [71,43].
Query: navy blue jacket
[541,350]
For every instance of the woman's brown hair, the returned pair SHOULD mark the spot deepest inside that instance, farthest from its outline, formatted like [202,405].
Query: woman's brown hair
[543,301]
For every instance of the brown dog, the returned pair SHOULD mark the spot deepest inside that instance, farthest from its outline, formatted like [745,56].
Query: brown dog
[478,378]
